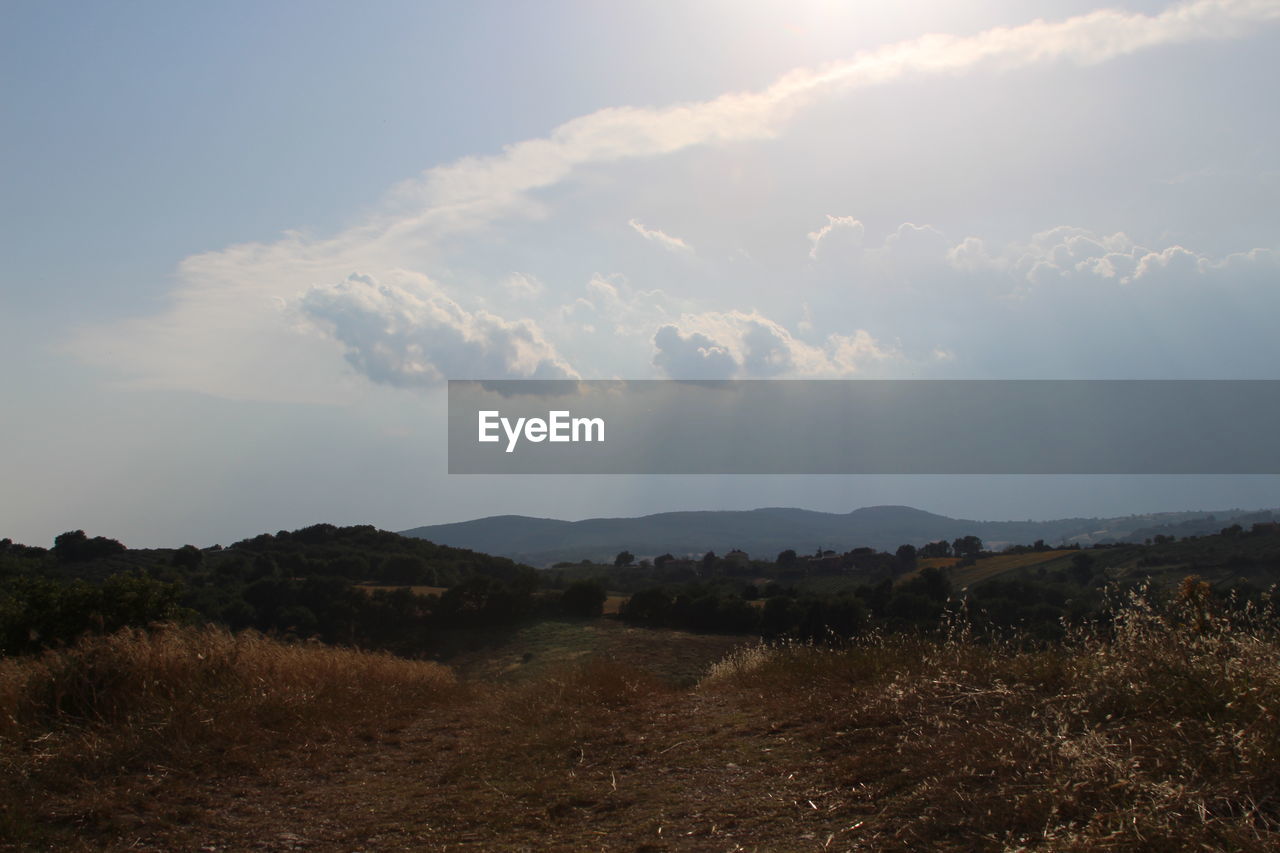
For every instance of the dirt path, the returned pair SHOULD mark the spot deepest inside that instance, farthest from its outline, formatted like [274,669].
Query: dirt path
[678,771]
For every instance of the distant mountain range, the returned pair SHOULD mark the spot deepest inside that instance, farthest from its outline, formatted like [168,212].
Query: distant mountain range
[763,533]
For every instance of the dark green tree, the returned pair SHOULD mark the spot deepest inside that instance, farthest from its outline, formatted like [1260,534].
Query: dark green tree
[967,546]
[584,598]
[1081,570]
[941,548]
[187,557]
[649,606]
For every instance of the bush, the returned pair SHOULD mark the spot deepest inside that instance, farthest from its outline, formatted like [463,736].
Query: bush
[584,598]
[74,546]
[39,612]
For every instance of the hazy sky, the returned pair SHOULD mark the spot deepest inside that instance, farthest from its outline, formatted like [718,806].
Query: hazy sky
[244,243]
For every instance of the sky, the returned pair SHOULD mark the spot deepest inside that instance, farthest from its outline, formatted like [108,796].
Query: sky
[246,243]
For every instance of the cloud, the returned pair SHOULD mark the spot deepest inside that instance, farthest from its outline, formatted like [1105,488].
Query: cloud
[478,184]
[692,355]
[910,254]
[523,285]
[612,304]
[666,241]
[1072,254]
[844,231]
[233,311]
[409,336]
[735,344]
[923,258]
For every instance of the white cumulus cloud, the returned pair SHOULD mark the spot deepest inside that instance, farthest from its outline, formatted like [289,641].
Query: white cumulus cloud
[410,336]
[736,344]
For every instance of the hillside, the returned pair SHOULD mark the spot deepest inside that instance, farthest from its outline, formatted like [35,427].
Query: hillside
[1159,736]
[309,582]
[765,532]
[1074,707]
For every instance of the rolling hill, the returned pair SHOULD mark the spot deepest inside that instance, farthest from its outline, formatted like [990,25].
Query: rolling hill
[764,532]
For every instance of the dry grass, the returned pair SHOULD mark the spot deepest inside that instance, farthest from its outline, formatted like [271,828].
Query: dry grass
[1159,733]
[986,568]
[186,697]
[992,566]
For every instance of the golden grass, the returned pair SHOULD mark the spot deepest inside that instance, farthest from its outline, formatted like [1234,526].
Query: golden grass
[992,566]
[1162,734]
[986,568]
[118,701]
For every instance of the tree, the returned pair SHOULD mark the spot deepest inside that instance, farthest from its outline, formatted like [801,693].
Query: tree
[648,605]
[73,546]
[404,569]
[709,561]
[906,557]
[1081,568]
[931,583]
[624,558]
[787,557]
[908,607]
[967,546]
[482,600]
[70,545]
[941,548]
[297,618]
[187,557]
[780,616]
[584,598]
[878,596]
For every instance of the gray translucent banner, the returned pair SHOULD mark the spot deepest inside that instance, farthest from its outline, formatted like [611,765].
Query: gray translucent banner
[864,427]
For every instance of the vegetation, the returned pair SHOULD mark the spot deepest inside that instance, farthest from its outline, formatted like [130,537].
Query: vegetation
[1119,697]
[305,583]
[362,587]
[1154,729]
[135,701]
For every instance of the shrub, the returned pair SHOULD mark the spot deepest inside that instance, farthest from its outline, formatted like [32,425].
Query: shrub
[584,598]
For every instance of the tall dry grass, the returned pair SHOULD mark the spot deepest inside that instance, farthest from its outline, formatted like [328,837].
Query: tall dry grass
[183,694]
[1159,732]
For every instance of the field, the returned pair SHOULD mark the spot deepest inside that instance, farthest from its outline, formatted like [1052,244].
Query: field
[987,568]
[611,604]
[587,735]
[416,590]
[538,650]
[963,576]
